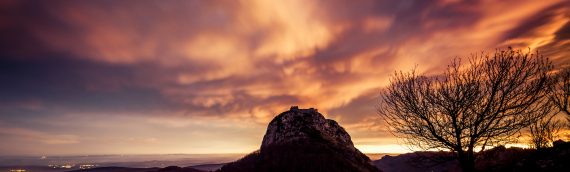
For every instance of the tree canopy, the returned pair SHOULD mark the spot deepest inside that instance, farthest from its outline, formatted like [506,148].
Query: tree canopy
[483,102]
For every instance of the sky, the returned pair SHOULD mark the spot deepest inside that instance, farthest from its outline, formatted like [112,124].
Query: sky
[161,77]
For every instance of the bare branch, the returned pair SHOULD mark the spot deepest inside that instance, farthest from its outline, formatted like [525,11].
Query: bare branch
[485,102]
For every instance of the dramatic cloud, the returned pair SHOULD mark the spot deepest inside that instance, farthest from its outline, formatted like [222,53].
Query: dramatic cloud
[207,68]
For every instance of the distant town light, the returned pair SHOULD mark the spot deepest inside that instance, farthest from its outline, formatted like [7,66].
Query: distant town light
[17,170]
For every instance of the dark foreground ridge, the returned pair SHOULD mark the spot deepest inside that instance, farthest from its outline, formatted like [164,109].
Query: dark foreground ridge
[303,140]
[556,158]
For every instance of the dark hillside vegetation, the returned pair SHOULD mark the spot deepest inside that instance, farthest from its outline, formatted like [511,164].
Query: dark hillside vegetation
[301,156]
[556,158]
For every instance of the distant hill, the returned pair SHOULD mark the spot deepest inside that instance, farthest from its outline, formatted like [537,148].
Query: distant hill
[208,167]
[419,162]
[497,159]
[303,140]
[125,169]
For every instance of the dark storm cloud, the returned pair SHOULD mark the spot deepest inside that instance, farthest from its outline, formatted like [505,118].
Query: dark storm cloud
[564,32]
[19,21]
[360,108]
[537,21]
[78,85]
[546,31]
[36,72]
[408,19]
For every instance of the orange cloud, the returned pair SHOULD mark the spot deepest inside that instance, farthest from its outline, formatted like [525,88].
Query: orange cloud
[232,61]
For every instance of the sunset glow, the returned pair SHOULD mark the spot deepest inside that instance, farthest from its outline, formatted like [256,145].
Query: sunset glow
[145,77]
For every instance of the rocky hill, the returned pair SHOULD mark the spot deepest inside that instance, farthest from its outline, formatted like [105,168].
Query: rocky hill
[303,140]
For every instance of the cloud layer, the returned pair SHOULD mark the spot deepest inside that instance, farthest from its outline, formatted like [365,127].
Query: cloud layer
[177,65]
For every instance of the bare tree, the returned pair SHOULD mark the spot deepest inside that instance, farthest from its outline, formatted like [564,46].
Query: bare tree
[544,131]
[561,90]
[480,104]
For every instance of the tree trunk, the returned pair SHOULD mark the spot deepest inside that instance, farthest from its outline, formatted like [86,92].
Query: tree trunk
[466,160]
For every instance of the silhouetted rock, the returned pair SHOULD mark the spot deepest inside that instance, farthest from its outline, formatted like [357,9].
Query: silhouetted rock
[303,140]
[305,124]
